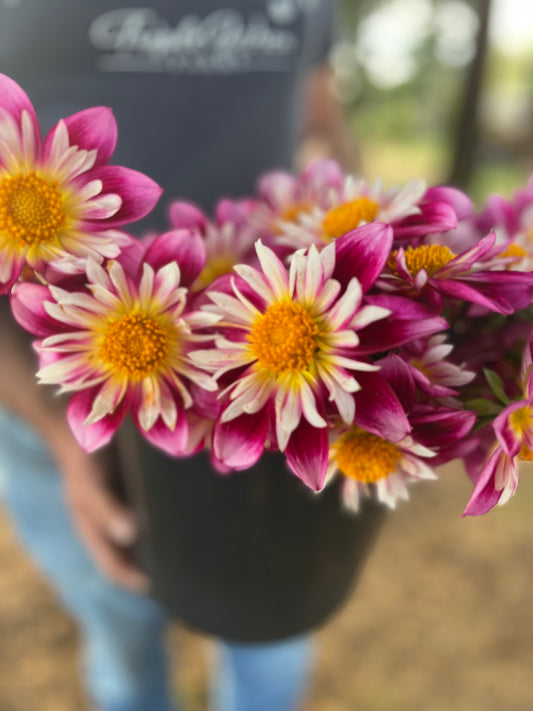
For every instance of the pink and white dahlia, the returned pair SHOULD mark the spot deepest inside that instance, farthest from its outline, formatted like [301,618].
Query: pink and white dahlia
[122,343]
[228,239]
[287,198]
[513,429]
[478,275]
[288,357]
[60,201]
[371,465]
[512,220]
[434,373]
[344,205]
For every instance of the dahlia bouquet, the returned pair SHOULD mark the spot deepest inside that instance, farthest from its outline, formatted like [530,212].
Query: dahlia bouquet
[367,334]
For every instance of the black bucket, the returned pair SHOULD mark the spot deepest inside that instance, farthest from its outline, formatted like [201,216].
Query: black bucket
[250,556]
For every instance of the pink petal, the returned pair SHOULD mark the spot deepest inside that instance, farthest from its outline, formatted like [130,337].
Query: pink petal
[485,496]
[186,216]
[400,377]
[307,454]
[27,305]
[323,174]
[362,253]
[91,129]
[460,202]
[409,320]
[435,217]
[378,410]
[183,246]
[14,100]
[443,426]
[92,437]
[13,266]
[507,437]
[139,193]
[173,442]
[239,443]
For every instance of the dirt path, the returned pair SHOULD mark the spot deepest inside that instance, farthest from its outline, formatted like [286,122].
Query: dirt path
[442,619]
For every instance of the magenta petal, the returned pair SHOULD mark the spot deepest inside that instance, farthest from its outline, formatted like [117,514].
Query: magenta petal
[400,377]
[438,428]
[460,202]
[27,305]
[307,454]
[94,436]
[409,320]
[499,211]
[434,217]
[239,444]
[14,100]
[491,296]
[185,247]
[16,270]
[186,216]
[508,439]
[138,192]
[234,211]
[132,253]
[378,410]
[362,253]
[323,173]
[173,442]
[485,497]
[91,129]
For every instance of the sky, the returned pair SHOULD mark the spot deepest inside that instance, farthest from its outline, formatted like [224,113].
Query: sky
[512,25]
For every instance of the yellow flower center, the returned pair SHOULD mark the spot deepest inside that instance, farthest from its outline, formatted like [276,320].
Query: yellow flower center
[431,257]
[292,211]
[214,268]
[364,456]
[347,217]
[284,338]
[521,420]
[525,454]
[135,345]
[31,209]
[513,250]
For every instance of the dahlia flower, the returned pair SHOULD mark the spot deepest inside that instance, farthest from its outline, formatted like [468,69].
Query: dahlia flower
[229,238]
[60,201]
[123,343]
[477,275]
[513,429]
[371,465]
[329,205]
[288,356]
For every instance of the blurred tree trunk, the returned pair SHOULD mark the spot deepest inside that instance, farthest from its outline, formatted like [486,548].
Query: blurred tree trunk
[467,126]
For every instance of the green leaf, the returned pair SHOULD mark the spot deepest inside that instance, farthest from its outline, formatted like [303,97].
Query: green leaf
[496,385]
[483,408]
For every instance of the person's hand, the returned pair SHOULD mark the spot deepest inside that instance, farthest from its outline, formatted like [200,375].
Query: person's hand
[106,526]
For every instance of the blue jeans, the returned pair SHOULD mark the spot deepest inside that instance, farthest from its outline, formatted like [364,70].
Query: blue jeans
[125,664]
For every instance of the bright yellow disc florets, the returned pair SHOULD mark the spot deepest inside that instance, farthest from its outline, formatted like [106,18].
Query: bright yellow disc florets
[521,420]
[347,217]
[135,345]
[284,338]
[365,457]
[431,257]
[215,267]
[31,209]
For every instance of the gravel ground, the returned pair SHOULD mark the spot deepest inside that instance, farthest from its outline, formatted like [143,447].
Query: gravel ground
[442,619]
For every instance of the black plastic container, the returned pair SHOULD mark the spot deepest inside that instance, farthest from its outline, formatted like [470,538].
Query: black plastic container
[250,556]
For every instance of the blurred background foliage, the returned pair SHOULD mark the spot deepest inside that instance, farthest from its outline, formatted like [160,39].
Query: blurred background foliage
[441,90]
